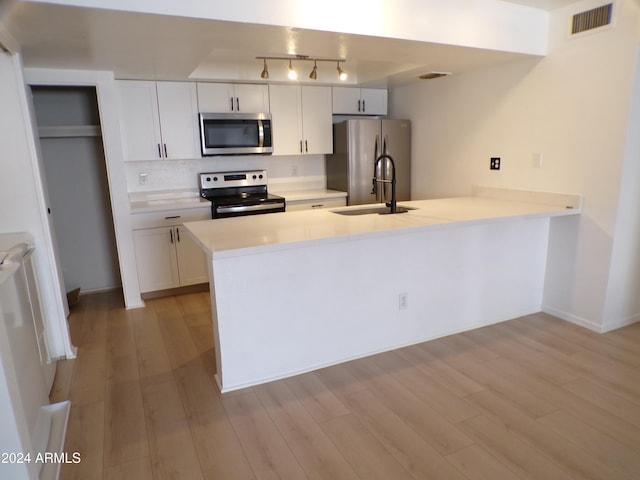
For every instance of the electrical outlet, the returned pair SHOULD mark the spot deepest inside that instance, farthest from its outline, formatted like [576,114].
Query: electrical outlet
[143,178]
[294,171]
[403,301]
[495,163]
[536,160]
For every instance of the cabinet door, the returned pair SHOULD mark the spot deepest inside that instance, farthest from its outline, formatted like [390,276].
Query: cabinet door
[228,97]
[286,116]
[138,105]
[178,107]
[373,101]
[251,98]
[156,259]
[346,101]
[316,120]
[215,97]
[192,262]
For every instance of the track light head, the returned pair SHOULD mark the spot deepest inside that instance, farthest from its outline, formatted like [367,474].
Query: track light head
[292,73]
[342,75]
[265,71]
[314,73]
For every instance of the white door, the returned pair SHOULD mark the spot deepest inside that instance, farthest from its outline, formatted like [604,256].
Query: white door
[156,259]
[192,262]
[251,98]
[178,107]
[286,118]
[346,101]
[316,120]
[215,97]
[374,101]
[138,102]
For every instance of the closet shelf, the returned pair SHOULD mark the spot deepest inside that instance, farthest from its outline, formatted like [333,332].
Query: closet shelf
[70,131]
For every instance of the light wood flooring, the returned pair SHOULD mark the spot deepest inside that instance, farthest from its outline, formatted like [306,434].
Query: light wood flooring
[532,398]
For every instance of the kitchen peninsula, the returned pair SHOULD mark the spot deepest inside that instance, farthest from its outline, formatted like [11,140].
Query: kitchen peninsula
[297,291]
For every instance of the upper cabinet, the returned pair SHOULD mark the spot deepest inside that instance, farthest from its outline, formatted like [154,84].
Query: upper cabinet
[159,119]
[236,98]
[359,101]
[301,118]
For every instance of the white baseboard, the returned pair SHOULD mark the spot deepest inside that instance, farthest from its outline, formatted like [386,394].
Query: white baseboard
[583,322]
[589,324]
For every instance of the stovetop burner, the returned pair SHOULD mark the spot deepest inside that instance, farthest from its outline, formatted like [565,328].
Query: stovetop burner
[239,193]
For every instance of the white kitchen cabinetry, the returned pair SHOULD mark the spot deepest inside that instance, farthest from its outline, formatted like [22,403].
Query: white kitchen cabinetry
[166,256]
[359,101]
[301,118]
[230,97]
[159,119]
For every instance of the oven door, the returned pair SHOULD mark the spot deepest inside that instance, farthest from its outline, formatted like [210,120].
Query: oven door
[235,134]
[226,208]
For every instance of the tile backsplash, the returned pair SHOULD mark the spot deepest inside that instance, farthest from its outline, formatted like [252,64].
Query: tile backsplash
[285,172]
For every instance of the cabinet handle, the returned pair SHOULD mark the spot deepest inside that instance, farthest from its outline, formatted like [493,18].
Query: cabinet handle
[171,235]
[300,146]
[317,205]
[306,147]
[165,151]
[178,233]
[159,151]
[172,217]
[364,107]
[237,104]
[231,103]
[358,105]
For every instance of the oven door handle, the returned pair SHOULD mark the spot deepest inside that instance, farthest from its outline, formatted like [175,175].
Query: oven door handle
[249,208]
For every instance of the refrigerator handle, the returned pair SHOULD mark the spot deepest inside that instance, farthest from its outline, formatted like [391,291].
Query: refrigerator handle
[384,147]
[374,189]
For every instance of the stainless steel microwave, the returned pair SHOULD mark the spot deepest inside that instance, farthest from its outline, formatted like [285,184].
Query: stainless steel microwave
[236,134]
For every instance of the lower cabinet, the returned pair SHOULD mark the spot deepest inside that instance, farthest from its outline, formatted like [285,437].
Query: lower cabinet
[166,257]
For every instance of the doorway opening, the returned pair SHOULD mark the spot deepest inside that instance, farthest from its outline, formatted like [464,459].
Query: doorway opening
[76,180]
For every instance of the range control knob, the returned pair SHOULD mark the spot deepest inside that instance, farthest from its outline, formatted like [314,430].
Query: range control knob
[254,177]
[215,179]
[207,179]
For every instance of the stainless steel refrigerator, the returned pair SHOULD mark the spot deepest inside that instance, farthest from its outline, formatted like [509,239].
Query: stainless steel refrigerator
[356,146]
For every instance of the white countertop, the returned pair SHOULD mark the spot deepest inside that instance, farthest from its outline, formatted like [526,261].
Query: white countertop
[156,201]
[247,235]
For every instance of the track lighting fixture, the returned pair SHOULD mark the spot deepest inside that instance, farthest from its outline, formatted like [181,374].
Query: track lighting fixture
[293,75]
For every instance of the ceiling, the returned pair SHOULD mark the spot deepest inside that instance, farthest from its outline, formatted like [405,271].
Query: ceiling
[145,46]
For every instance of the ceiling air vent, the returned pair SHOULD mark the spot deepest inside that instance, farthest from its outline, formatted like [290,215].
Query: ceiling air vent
[594,18]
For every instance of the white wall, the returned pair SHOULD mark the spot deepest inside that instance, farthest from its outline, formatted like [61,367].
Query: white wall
[183,174]
[573,108]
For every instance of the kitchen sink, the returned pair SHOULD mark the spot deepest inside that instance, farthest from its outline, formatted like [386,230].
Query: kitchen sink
[381,210]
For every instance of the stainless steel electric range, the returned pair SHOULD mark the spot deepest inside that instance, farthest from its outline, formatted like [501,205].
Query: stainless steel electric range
[235,194]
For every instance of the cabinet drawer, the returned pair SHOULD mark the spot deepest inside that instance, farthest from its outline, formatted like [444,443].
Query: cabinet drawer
[167,218]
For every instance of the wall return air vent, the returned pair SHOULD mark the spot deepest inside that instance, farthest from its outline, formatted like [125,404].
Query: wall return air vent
[594,18]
